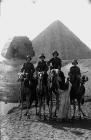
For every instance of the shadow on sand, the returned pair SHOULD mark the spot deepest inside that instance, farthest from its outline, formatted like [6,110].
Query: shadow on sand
[76,123]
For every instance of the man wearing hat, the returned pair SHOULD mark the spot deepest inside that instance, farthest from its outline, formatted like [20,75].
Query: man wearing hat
[42,66]
[75,73]
[56,63]
[28,67]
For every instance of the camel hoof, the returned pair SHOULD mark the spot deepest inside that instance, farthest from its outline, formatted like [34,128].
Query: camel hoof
[20,118]
[73,117]
[64,120]
[55,115]
[85,117]
[40,116]
[80,118]
[37,113]
[28,116]
[25,114]
[69,120]
[50,117]
[45,118]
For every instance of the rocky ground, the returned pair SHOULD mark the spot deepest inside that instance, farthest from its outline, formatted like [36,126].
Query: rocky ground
[12,128]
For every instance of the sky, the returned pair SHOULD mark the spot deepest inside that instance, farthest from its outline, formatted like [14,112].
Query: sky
[31,17]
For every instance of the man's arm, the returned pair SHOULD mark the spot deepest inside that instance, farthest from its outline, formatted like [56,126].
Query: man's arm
[46,67]
[23,67]
[79,72]
[38,66]
[50,61]
[60,62]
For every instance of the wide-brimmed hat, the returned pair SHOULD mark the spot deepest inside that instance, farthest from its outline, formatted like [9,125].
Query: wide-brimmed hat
[42,56]
[28,56]
[74,62]
[55,52]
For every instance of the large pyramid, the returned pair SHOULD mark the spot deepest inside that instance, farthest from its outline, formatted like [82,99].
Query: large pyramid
[58,37]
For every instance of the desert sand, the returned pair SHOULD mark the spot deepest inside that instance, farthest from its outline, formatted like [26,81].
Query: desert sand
[35,129]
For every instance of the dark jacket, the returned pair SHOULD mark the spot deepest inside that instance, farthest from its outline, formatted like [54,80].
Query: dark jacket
[56,62]
[28,68]
[42,66]
[75,70]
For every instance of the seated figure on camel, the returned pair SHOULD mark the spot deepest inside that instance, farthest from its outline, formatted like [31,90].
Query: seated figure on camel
[42,67]
[75,74]
[77,92]
[56,64]
[27,92]
[30,81]
[28,68]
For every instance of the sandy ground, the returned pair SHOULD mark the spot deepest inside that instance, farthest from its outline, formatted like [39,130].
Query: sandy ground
[35,129]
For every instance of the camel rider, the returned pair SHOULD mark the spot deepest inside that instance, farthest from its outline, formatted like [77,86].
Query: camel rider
[28,67]
[56,63]
[42,67]
[75,73]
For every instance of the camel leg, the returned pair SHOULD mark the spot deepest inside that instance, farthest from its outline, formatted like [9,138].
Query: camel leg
[36,102]
[56,108]
[44,109]
[81,111]
[21,103]
[84,115]
[27,111]
[57,104]
[47,102]
[74,106]
[36,105]
[21,99]
[21,110]
[44,92]
[40,105]
[51,105]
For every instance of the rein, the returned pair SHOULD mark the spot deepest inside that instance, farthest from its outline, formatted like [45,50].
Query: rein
[40,80]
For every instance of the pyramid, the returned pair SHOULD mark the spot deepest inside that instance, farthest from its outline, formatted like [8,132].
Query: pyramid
[58,37]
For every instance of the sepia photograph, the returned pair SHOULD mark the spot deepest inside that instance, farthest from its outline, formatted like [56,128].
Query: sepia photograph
[45,70]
